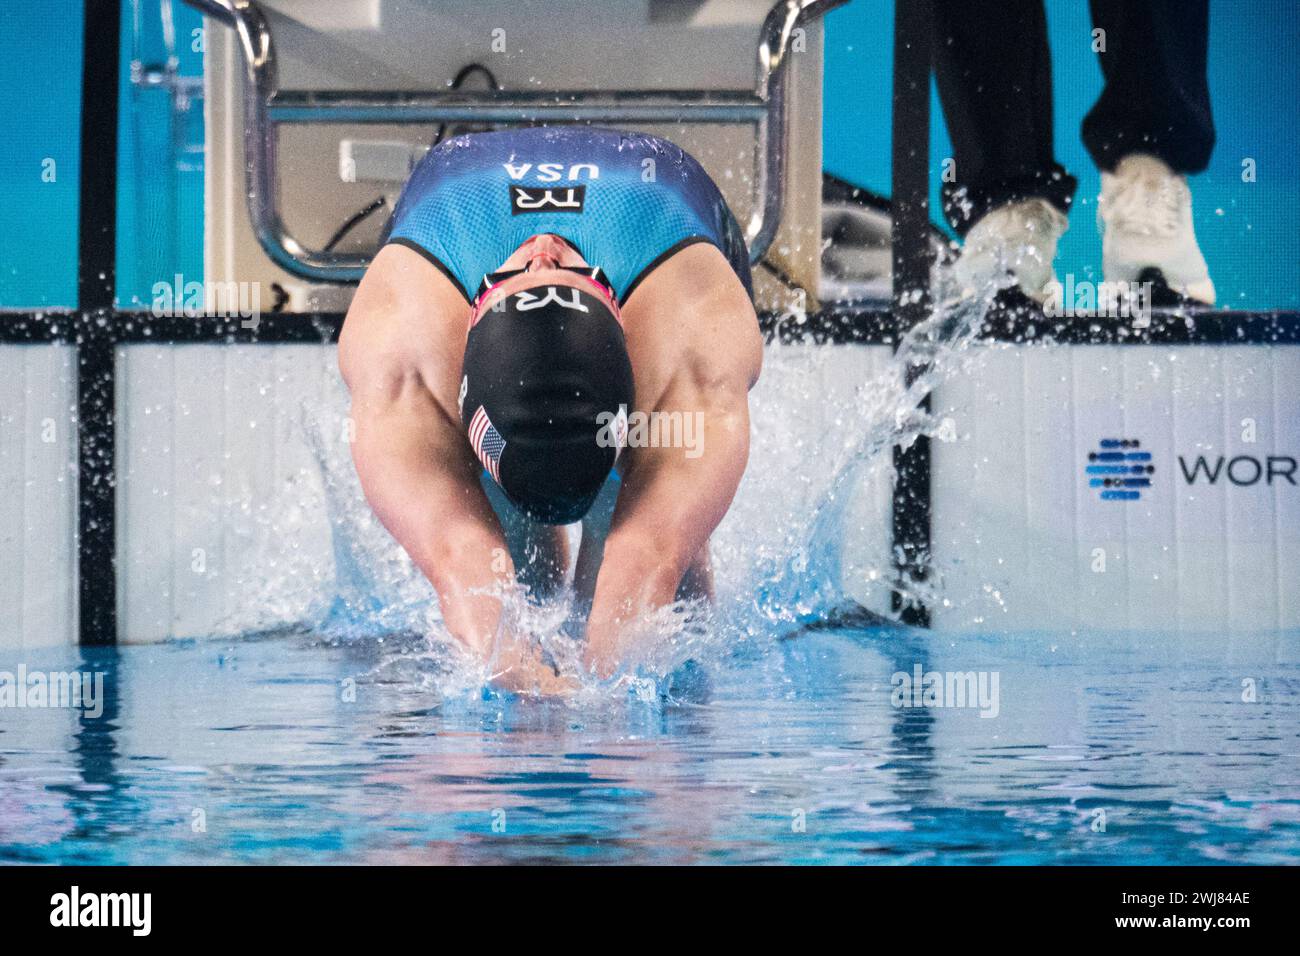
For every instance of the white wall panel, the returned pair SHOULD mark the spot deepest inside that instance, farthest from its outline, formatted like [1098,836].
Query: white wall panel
[811,406]
[1020,536]
[846,379]
[219,491]
[1199,426]
[223,524]
[38,486]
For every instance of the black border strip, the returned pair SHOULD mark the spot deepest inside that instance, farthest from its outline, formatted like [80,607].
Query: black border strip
[832,326]
[275,328]
[22,327]
[913,254]
[96,280]
[1042,898]
[872,324]
[1192,326]
[868,324]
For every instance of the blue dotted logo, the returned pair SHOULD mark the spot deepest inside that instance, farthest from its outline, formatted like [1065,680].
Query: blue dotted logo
[1119,469]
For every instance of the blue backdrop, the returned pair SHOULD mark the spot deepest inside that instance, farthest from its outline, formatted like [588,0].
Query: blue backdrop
[1248,230]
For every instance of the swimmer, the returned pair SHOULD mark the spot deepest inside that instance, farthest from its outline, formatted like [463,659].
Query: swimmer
[536,290]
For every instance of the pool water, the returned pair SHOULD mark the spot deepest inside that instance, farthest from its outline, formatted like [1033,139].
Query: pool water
[290,748]
[333,724]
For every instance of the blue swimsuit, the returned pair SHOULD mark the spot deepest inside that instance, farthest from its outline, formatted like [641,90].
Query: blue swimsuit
[625,201]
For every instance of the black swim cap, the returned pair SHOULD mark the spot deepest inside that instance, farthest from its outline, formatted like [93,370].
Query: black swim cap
[541,366]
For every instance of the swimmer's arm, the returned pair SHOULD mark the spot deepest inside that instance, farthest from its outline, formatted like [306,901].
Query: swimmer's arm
[424,491]
[422,482]
[671,500]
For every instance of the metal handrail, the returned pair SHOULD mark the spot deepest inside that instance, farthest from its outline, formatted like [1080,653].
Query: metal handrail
[266,106]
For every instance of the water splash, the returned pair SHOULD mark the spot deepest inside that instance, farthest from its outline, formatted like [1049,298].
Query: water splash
[779,556]
[801,579]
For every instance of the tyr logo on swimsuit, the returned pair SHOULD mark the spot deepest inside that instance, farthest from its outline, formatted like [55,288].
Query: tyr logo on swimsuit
[542,198]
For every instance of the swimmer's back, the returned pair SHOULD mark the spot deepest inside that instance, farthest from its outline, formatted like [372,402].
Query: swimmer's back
[626,201]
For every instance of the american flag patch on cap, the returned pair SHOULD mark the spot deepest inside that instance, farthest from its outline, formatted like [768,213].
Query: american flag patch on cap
[488,443]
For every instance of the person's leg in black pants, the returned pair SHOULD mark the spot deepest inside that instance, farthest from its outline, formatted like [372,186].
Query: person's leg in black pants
[993,67]
[1150,128]
[1156,99]
[994,73]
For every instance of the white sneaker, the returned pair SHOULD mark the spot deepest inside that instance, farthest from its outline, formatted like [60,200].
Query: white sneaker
[1018,239]
[1145,217]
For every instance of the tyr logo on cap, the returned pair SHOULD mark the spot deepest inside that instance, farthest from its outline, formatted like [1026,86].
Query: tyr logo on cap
[527,301]
[542,198]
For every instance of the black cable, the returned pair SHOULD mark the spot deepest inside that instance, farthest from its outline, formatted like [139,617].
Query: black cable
[779,274]
[353,221]
[464,73]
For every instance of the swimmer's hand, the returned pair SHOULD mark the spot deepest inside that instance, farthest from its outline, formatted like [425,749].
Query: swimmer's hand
[518,668]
